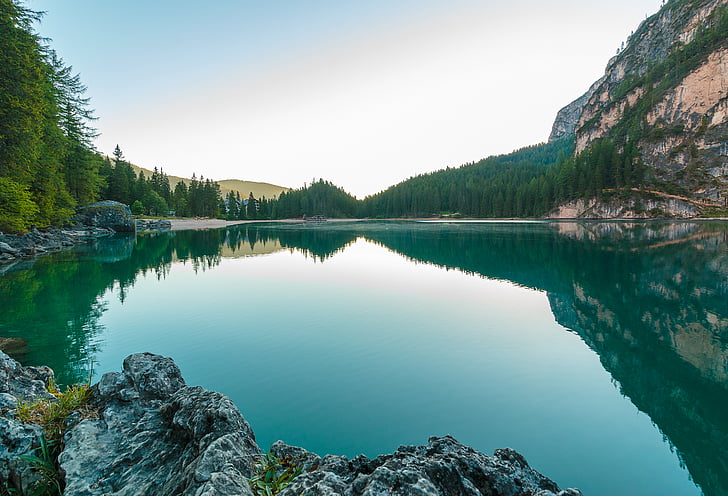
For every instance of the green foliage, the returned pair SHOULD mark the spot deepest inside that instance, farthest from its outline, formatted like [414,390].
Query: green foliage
[17,209]
[137,208]
[44,463]
[273,474]
[319,198]
[44,133]
[154,204]
[512,185]
[53,415]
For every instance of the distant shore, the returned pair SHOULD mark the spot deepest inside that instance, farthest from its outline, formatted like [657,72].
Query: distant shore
[185,224]
[194,224]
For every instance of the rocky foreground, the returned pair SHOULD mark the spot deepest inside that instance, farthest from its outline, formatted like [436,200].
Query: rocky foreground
[155,435]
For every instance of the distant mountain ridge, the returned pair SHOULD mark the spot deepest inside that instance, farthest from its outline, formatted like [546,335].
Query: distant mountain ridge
[258,189]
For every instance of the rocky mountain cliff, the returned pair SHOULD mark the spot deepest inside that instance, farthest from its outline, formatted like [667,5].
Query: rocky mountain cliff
[667,90]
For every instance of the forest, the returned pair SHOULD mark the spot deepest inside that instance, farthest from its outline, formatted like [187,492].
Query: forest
[526,183]
[48,164]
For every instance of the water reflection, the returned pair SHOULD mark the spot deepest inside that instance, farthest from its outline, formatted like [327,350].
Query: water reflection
[650,298]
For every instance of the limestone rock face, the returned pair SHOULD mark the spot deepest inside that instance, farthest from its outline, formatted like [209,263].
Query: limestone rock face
[684,128]
[630,209]
[442,467]
[568,117]
[107,214]
[158,436]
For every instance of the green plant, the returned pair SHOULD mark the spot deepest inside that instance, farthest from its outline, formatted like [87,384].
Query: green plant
[53,415]
[44,463]
[273,474]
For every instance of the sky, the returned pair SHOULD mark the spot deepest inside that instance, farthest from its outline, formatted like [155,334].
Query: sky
[364,94]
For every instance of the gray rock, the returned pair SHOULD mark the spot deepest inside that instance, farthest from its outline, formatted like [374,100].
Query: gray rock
[158,436]
[6,248]
[7,402]
[17,439]
[107,214]
[26,383]
[443,467]
[153,224]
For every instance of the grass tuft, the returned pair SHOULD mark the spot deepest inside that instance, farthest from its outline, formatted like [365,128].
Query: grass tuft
[273,474]
[53,415]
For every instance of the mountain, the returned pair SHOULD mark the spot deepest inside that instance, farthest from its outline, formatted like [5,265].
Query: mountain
[666,92]
[259,190]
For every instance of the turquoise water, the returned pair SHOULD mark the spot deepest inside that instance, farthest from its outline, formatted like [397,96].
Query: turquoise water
[597,350]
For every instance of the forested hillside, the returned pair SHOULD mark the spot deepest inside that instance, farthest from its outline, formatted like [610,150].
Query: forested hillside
[526,183]
[47,164]
[511,185]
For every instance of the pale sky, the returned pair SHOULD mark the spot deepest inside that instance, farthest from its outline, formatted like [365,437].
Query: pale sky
[364,94]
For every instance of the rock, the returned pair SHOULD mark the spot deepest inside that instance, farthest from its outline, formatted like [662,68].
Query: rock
[6,248]
[442,467]
[153,224]
[14,346]
[25,383]
[38,242]
[633,208]
[107,214]
[158,436]
[17,439]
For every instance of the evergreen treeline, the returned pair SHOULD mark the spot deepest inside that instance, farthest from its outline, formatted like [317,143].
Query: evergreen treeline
[526,183]
[47,164]
[237,208]
[153,195]
[511,185]
[319,198]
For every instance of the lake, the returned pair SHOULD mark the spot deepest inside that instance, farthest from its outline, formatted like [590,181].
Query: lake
[598,350]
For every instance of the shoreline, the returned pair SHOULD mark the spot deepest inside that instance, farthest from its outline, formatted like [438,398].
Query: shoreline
[200,224]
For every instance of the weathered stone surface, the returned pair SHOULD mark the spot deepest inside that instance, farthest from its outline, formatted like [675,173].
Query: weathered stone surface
[442,467]
[108,214]
[153,224]
[685,127]
[15,247]
[158,436]
[26,383]
[625,209]
[17,439]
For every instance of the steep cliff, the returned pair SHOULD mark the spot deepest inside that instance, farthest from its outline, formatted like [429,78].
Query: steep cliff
[667,91]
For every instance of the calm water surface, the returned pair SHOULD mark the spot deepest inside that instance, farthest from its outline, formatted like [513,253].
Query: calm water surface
[599,351]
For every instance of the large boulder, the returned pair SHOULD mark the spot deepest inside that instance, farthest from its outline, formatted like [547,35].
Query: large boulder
[108,214]
[155,435]
[442,467]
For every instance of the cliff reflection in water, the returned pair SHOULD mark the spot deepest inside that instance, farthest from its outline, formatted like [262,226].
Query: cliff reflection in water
[650,298]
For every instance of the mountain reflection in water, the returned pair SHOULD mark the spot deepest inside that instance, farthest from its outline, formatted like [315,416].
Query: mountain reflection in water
[650,298]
